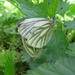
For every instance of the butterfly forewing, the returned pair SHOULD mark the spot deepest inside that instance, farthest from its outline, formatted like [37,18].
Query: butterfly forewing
[31,26]
[41,26]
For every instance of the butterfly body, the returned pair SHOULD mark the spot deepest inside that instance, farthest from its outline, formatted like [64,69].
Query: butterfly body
[36,31]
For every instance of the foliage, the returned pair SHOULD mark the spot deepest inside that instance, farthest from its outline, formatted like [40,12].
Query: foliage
[63,66]
[9,64]
[55,55]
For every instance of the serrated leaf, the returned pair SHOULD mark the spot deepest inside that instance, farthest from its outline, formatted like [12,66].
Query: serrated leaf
[52,8]
[36,62]
[57,45]
[72,46]
[9,64]
[69,25]
[71,49]
[2,59]
[30,9]
[63,7]
[72,9]
[63,66]
[44,7]
[25,56]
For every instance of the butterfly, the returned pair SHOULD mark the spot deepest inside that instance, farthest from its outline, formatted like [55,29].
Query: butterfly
[36,33]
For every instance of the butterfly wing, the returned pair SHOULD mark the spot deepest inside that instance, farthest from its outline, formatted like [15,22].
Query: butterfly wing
[37,31]
[33,52]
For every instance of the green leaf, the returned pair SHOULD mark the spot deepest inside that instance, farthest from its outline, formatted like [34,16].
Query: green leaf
[69,25]
[57,45]
[63,7]
[44,7]
[71,49]
[25,57]
[63,66]
[2,59]
[59,24]
[72,9]
[72,46]
[52,8]
[36,62]
[9,64]
[30,9]
[9,20]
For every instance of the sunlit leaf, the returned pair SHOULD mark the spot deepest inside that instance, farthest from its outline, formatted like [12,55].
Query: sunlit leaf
[9,64]
[52,8]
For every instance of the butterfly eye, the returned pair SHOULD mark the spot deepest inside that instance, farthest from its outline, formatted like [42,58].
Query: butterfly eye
[36,33]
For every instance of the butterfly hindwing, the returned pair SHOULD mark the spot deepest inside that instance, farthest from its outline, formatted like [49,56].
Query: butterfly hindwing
[33,52]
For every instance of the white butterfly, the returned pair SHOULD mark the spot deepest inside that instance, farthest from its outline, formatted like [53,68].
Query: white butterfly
[35,32]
